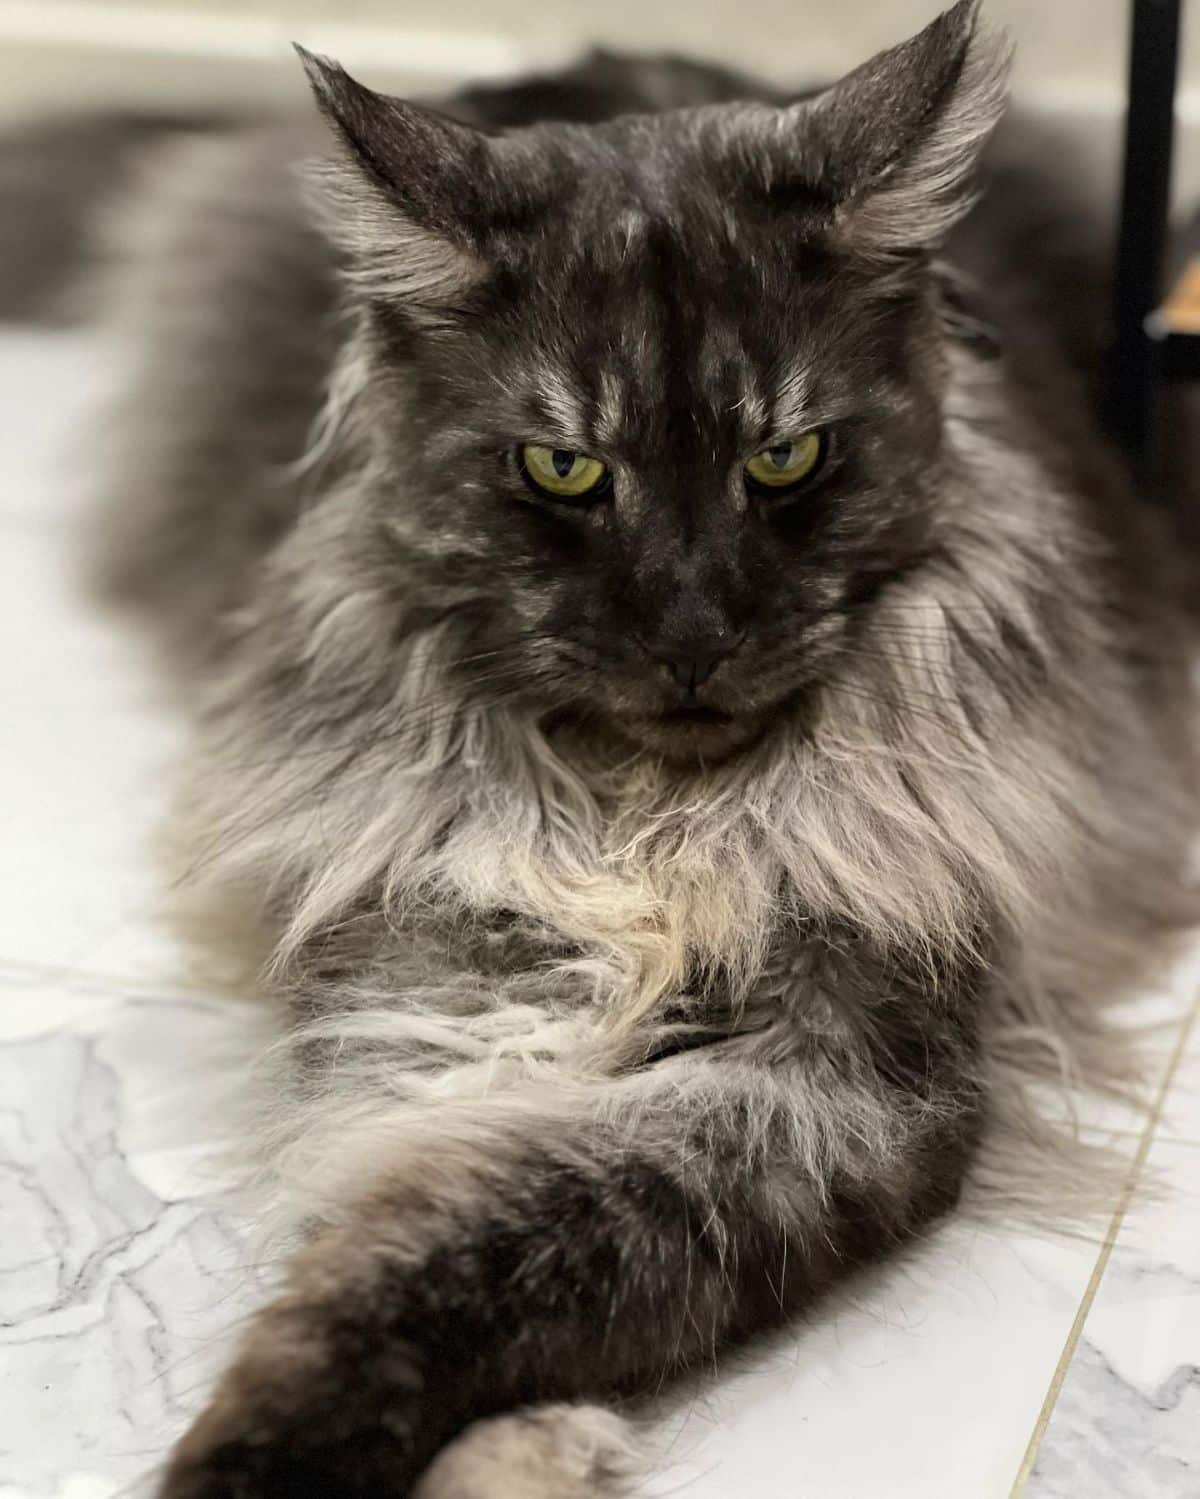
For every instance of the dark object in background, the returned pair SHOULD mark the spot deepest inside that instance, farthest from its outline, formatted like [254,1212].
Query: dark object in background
[1153,343]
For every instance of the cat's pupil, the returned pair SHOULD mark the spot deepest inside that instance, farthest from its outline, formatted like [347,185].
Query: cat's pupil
[780,456]
[563,462]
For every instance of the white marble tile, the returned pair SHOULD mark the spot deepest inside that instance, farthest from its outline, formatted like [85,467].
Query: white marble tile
[1126,1424]
[1181,1112]
[182,1060]
[89,751]
[113,1299]
[924,1383]
[85,746]
[86,769]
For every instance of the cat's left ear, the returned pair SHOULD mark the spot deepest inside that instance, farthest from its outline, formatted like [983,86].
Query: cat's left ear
[406,196]
[897,140]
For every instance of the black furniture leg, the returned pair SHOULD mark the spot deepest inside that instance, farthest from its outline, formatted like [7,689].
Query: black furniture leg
[1145,211]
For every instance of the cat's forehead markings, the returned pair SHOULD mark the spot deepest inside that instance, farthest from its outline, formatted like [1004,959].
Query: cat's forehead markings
[750,408]
[610,407]
[722,352]
[792,399]
[731,223]
[721,346]
[562,405]
[630,228]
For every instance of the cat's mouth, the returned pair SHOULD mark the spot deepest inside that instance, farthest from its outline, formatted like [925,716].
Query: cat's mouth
[697,713]
[688,732]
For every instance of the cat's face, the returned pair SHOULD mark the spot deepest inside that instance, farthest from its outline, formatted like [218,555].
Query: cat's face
[662,427]
[754,433]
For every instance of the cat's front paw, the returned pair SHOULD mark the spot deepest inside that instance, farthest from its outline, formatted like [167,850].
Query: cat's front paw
[544,1452]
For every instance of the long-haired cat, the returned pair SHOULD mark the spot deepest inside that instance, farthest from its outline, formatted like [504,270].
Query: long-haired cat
[683,676]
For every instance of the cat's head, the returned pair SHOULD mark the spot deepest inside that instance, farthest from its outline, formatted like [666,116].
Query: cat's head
[658,401]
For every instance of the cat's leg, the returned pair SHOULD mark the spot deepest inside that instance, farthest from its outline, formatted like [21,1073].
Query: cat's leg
[577,1245]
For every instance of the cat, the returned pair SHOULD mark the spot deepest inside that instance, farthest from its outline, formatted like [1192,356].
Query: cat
[682,675]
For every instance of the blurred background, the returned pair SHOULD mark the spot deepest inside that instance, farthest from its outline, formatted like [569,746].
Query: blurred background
[206,53]
[186,56]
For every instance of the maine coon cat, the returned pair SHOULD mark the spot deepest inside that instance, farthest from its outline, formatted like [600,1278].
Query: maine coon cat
[683,676]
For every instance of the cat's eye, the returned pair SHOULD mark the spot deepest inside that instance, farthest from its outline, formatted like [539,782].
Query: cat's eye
[786,465]
[562,473]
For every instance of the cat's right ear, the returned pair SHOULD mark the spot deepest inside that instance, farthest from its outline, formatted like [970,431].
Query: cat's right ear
[404,197]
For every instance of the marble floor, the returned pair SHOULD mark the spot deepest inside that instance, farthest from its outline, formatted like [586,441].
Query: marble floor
[983,1365]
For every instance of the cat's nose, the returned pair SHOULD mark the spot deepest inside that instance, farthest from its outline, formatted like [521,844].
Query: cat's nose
[691,660]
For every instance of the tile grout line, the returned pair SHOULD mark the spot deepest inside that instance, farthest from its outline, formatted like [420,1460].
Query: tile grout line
[1110,1239]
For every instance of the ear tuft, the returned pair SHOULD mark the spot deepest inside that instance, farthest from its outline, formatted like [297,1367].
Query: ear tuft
[900,136]
[400,195]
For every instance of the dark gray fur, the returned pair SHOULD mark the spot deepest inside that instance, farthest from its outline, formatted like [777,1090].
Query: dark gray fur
[621,1030]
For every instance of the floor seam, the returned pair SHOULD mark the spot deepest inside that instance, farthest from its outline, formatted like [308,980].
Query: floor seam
[1079,1321]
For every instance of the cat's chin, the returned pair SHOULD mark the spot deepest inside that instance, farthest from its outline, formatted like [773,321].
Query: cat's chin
[687,736]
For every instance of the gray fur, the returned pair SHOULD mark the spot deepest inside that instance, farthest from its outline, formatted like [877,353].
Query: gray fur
[619,1030]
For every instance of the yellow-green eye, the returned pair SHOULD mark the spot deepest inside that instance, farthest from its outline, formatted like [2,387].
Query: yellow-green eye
[560,472]
[785,464]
